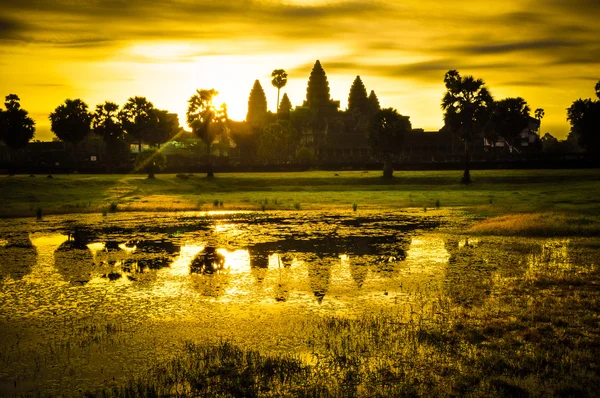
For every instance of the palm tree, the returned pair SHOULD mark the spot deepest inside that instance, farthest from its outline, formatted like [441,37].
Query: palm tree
[279,80]
[106,124]
[136,118]
[70,122]
[509,118]
[16,127]
[206,120]
[466,106]
[539,115]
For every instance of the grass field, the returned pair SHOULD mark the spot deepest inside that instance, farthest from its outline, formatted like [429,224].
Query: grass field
[492,191]
[571,198]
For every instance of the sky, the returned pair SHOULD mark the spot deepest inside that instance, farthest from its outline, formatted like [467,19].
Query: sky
[546,51]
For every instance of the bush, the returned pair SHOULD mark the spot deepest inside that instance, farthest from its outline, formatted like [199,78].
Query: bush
[304,156]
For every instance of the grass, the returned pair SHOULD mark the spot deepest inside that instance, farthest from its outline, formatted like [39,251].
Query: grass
[492,193]
[532,336]
[538,224]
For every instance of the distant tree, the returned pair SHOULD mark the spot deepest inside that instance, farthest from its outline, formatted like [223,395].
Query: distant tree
[71,122]
[509,118]
[257,106]
[165,127]
[279,80]
[552,145]
[106,124]
[150,161]
[373,102]
[137,119]
[598,89]
[284,108]
[539,114]
[584,116]
[16,127]
[386,137]
[358,102]
[467,105]
[276,142]
[305,156]
[206,121]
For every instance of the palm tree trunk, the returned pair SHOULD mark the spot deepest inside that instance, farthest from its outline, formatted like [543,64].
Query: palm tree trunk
[388,168]
[140,146]
[73,160]
[466,179]
[277,110]
[209,171]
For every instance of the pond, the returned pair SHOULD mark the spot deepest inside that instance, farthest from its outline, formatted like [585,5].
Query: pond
[86,300]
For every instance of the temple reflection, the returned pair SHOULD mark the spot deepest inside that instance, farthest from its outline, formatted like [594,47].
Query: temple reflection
[74,260]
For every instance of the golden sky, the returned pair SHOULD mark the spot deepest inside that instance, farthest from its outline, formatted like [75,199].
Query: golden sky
[546,51]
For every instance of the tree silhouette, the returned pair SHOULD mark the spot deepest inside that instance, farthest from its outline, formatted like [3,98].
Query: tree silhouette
[16,127]
[284,108]
[511,117]
[70,122]
[206,121]
[466,106]
[357,99]
[106,124]
[137,119]
[598,89]
[276,142]
[584,116]
[279,80]
[539,115]
[386,137]
[164,127]
[257,106]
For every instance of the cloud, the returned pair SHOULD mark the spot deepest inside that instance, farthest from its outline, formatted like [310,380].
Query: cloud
[527,45]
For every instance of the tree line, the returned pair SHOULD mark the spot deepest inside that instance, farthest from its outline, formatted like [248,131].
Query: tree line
[297,134]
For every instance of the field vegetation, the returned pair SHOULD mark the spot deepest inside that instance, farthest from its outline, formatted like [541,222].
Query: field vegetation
[532,331]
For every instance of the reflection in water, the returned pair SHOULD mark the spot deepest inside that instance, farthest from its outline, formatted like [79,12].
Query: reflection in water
[74,260]
[17,256]
[319,274]
[208,261]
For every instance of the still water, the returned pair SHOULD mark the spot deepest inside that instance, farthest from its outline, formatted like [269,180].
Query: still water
[161,266]
[88,300]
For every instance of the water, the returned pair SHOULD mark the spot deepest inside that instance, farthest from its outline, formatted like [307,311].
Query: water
[80,292]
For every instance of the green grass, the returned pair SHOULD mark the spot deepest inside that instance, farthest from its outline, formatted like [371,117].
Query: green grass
[492,193]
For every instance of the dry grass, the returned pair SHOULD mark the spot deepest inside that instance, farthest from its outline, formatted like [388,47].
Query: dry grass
[538,224]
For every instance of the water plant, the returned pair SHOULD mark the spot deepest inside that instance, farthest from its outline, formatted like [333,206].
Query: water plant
[216,202]
[297,205]
[354,206]
[38,213]
[113,207]
[437,204]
